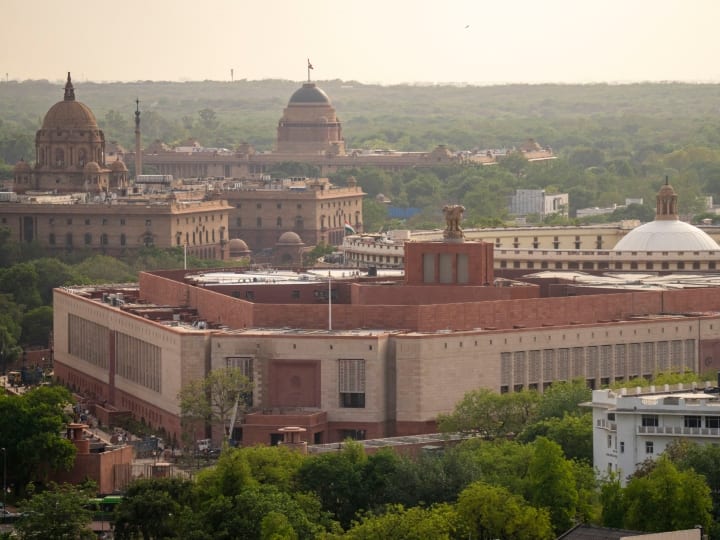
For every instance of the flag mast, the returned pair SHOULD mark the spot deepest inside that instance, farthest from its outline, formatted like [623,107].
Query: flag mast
[309,67]
[329,301]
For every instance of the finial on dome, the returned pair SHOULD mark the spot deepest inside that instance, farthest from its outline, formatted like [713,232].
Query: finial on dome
[69,90]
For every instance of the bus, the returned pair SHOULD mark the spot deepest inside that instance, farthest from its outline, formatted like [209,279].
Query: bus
[103,508]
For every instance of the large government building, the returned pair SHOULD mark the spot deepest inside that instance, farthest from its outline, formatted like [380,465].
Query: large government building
[310,131]
[345,354]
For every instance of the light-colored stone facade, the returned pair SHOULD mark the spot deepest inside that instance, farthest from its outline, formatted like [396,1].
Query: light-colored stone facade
[114,228]
[315,209]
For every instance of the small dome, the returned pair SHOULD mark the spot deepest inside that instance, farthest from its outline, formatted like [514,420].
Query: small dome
[22,167]
[309,93]
[91,167]
[667,235]
[118,166]
[237,246]
[289,237]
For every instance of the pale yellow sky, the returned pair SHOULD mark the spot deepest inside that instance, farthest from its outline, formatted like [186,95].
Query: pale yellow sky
[372,41]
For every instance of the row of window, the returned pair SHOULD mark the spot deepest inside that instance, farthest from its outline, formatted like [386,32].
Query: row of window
[689,421]
[299,222]
[104,240]
[603,364]
[605,265]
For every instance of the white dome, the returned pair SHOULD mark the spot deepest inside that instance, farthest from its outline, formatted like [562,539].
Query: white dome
[666,235]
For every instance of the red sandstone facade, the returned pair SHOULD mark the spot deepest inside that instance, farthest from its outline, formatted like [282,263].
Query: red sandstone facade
[385,357]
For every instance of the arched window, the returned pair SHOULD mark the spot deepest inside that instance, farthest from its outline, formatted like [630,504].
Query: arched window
[59,157]
[122,239]
[104,239]
[69,239]
[88,239]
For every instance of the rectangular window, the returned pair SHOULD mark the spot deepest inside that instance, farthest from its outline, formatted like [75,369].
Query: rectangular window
[622,447]
[609,441]
[650,420]
[649,447]
[351,382]
[692,421]
[148,222]
[712,422]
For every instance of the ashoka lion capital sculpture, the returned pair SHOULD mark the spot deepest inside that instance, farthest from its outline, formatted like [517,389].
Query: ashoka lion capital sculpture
[453,217]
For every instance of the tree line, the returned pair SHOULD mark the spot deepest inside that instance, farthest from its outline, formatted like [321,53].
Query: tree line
[524,471]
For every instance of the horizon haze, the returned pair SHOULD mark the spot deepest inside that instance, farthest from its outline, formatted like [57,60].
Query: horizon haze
[402,42]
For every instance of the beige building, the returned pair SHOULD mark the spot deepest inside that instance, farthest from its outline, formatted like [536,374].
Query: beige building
[314,209]
[67,222]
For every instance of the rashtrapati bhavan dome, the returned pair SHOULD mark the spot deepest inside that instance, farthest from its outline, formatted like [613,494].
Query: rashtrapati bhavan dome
[309,124]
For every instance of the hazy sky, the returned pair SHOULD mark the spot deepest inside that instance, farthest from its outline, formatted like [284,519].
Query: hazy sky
[372,41]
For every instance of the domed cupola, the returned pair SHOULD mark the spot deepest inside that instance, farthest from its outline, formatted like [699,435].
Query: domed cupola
[68,140]
[667,232]
[309,124]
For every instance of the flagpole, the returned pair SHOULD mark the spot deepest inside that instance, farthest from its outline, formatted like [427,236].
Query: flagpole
[329,301]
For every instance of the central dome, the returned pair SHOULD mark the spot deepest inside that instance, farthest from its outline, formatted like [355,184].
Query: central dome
[665,235]
[309,93]
[69,114]
[667,232]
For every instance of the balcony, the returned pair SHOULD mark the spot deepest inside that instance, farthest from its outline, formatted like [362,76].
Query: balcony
[678,430]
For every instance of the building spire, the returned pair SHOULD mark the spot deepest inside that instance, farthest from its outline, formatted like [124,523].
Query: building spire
[69,90]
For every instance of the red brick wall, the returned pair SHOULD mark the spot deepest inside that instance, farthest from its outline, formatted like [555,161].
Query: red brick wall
[100,467]
[435,294]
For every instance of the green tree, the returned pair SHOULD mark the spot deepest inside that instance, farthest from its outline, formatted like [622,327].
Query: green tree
[215,398]
[399,523]
[104,269]
[31,428]
[375,215]
[60,512]
[613,505]
[337,480]
[36,327]
[208,118]
[563,397]
[242,516]
[154,508]
[667,499]
[494,512]
[21,281]
[490,414]
[53,273]
[10,330]
[552,484]
[572,432]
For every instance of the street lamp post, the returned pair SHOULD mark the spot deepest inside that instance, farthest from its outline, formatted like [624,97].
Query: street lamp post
[4,451]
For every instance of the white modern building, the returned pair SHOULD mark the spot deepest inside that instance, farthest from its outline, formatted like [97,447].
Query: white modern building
[536,201]
[633,425]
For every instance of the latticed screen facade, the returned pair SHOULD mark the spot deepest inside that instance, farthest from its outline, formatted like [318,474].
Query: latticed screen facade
[138,361]
[88,341]
[599,365]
